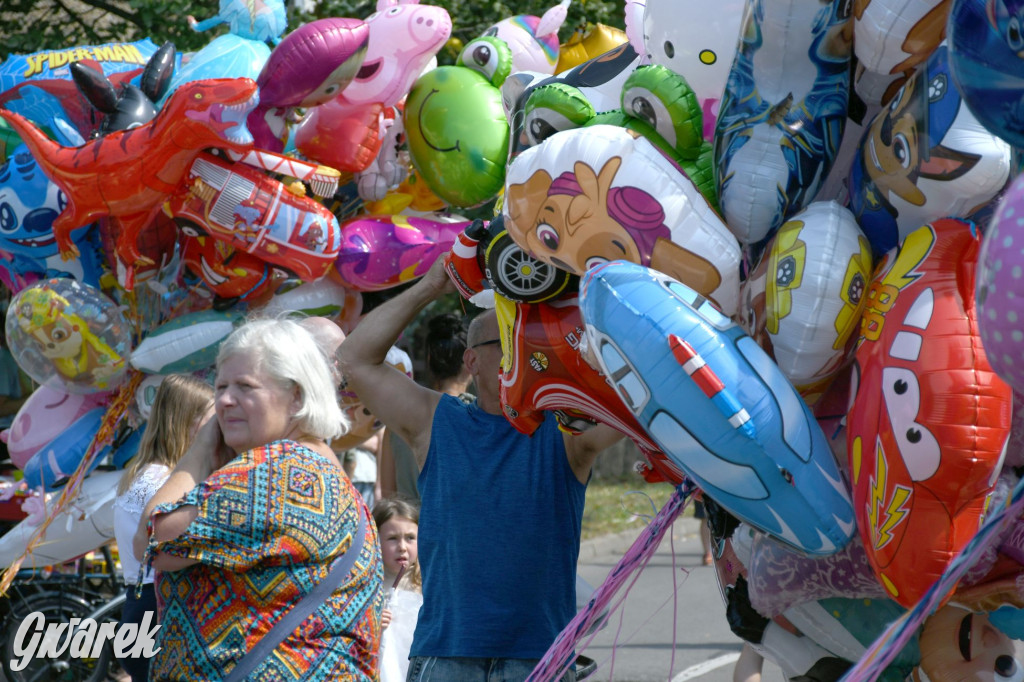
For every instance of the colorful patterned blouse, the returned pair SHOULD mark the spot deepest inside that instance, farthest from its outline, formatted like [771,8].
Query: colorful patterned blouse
[270,524]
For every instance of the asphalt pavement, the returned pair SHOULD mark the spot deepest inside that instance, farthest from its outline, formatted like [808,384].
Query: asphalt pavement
[671,625]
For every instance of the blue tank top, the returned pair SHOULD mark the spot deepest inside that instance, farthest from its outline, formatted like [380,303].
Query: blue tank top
[499,537]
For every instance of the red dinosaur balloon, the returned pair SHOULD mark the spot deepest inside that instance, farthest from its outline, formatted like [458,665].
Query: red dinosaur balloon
[127,175]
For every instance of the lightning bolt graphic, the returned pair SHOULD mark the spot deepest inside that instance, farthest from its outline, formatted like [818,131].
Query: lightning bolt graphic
[895,511]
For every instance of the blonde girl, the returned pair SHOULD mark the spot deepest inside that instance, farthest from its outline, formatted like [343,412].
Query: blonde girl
[180,401]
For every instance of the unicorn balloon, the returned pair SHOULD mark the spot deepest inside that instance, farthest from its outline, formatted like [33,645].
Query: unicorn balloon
[533,40]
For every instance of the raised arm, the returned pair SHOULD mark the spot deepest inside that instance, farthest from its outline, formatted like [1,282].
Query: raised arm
[582,450]
[403,405]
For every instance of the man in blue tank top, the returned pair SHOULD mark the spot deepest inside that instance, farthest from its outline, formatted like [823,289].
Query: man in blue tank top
[499,531]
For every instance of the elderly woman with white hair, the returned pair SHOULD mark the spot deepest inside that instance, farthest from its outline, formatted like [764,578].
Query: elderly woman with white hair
[269,563]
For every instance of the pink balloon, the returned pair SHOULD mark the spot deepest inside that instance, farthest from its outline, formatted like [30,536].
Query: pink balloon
[45,415]
[383,251]
[404,37]
[340,135]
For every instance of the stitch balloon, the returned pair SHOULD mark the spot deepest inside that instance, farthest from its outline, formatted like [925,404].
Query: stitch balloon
[1000,289]
[923,157]
[929,419]
[986,58]
[29,203]
[591,195]
[69,335]
[783,112]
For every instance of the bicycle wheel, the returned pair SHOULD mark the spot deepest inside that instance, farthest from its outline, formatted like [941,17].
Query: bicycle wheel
[107,665]
[56,607]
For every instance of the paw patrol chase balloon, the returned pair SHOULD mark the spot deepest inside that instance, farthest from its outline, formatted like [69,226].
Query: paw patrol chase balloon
[923,157]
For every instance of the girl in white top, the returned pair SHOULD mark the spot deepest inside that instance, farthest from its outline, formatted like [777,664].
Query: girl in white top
[180,401]
[397,523]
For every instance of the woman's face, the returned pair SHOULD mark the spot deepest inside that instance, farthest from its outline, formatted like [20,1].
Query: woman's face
[398,544]
[252,409]
[957,644]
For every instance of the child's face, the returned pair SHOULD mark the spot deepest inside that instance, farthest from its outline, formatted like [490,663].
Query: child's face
[398,544]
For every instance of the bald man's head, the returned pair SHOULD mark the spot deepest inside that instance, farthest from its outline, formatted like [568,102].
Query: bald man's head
[329,337]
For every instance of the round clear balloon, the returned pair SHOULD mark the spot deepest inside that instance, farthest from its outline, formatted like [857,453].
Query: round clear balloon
[69,336]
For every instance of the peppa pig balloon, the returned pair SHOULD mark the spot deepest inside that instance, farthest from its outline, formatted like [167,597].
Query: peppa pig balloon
[1000,288]
[404,37]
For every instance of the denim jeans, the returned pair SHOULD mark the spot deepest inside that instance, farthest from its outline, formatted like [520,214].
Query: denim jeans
[437,669]
[133,611]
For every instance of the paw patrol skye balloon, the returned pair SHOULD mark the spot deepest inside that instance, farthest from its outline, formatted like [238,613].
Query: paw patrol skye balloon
[592,195]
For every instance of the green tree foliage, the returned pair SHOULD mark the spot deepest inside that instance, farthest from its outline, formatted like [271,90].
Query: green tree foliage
[28,26]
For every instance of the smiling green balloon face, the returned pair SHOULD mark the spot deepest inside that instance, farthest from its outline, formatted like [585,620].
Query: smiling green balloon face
[457,135]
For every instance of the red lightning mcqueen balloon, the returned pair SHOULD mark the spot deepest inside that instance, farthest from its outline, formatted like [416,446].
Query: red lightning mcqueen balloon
[543,369]
[929,418]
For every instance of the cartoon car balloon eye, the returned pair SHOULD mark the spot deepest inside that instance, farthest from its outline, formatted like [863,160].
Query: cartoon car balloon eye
[918,447]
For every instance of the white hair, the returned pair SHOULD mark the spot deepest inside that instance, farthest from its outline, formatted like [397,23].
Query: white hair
[287,353]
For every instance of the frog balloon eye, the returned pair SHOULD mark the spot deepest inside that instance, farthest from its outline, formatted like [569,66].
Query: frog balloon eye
[662,99]
[553,108]
[490,57]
